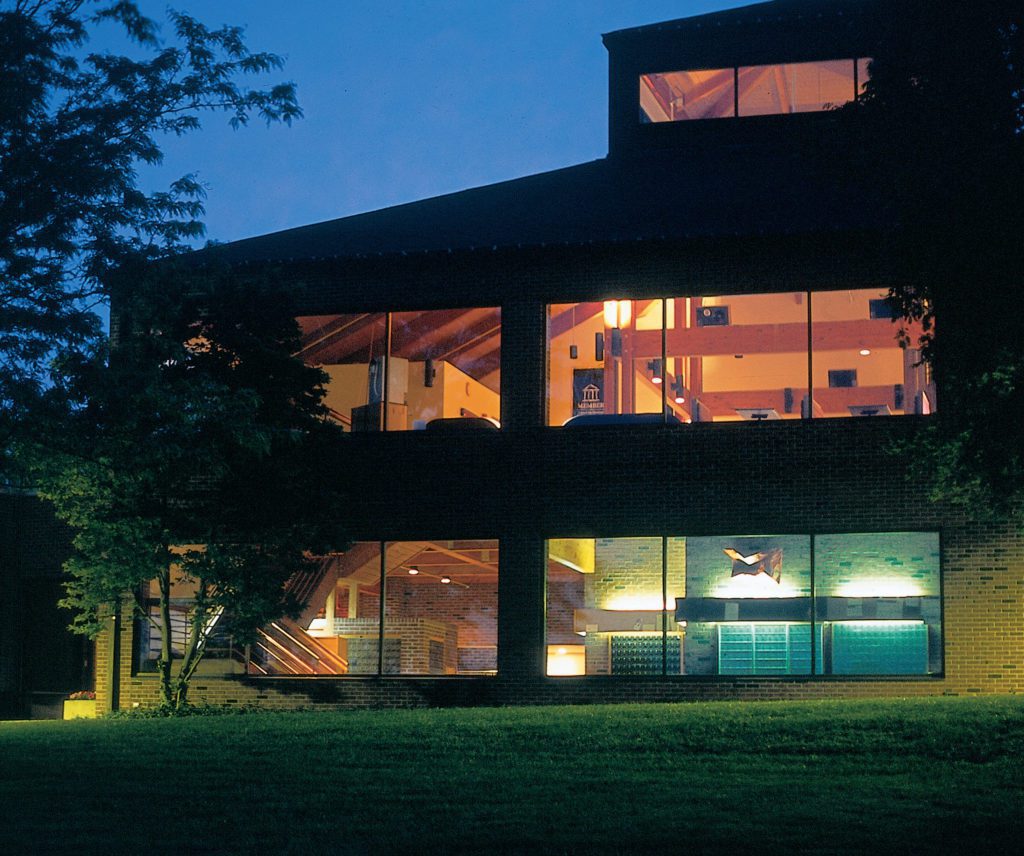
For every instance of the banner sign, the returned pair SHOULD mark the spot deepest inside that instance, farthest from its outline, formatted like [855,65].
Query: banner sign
[587,391]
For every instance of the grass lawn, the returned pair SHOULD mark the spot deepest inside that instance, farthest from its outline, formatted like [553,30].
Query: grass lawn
[920,776]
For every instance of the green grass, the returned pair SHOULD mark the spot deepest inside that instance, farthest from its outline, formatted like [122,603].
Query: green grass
[937,775]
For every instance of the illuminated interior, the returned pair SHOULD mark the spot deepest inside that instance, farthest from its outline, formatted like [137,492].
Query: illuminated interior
[440,611]
[757,90]
[223,654]
[742,605]
[440,365]
[786,355]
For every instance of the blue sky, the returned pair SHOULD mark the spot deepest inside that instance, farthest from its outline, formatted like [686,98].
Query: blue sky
[405,99]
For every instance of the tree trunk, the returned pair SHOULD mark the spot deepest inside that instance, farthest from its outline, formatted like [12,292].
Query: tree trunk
[167,694]
[195,646]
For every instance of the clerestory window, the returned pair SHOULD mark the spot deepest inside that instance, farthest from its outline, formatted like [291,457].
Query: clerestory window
[751,90]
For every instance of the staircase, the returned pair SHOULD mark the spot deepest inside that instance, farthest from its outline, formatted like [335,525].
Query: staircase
[284,648]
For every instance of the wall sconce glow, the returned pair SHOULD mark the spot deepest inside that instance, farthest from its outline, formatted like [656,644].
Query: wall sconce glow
[618,313]
[564,660]
[880,587]
[640,603]
[759,586]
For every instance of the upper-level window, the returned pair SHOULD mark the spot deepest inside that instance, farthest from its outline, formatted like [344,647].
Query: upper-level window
[438,366]
[753,90]
[787,355]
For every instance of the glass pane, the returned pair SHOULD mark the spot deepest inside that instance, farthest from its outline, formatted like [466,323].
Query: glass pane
[339,627]
[878,603]
[738,357]
[859,367]
[605,608]
[445,364]
[794,87]
[350,348]
[441,608]
[604,360]
[746,606]
[676,96]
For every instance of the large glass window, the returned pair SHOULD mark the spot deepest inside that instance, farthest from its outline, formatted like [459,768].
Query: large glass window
[799,87]
[439,609]
[439,365]
[739,357]
[606,608]
[747,607]
[734,357]
[351,349]
[223,654]
[606,359]
[859,367]
[675,96]
[851,604]
[758,90]
[879,605]
[445,364]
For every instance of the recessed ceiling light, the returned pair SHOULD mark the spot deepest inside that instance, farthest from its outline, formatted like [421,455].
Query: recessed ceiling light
[865,352]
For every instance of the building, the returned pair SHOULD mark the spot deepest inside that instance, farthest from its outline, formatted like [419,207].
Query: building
[620,431]
[41,661]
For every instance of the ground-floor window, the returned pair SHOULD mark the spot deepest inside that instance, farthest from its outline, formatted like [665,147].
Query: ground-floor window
[392,608]
[827,604]
[223,653]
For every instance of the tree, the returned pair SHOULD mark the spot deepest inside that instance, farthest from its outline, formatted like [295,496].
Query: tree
[942,133]
[74,126]
[195,453]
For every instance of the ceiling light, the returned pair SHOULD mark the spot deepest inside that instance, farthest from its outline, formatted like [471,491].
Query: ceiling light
[865,352]
[413,571]
[446,579]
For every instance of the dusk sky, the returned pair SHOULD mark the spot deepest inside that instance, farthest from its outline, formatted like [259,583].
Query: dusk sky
[405,99]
